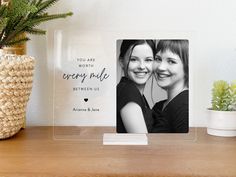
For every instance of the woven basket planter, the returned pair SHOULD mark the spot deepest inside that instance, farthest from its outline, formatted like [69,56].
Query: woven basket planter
[16,77]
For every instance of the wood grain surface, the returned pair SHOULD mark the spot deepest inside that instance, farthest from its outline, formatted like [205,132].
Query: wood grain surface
[78,151]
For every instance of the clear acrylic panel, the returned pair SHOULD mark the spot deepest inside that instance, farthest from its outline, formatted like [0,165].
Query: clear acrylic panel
[85,79]
[84,92]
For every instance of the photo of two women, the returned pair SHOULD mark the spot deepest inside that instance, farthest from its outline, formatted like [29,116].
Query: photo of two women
[163,64]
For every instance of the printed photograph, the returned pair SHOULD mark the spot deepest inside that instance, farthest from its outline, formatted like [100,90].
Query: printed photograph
[152,86]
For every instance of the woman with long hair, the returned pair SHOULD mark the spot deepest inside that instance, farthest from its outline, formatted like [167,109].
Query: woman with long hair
[133,113]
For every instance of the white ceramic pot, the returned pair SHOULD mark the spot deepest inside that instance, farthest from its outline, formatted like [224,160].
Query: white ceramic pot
[221,123]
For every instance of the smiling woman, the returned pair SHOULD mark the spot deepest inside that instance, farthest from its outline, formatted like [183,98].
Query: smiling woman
[171,73]
[133,113]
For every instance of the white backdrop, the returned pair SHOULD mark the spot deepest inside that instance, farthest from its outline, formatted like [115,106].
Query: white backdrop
[209,24]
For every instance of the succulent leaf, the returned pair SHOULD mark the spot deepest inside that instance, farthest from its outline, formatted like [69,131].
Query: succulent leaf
[224,96]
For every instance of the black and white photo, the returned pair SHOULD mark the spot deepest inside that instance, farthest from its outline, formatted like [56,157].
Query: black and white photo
[164,63]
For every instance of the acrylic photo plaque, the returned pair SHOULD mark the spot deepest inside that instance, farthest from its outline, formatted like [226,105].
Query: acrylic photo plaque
[86,73]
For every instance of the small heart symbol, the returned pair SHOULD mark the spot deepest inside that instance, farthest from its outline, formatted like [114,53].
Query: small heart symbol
[85,99]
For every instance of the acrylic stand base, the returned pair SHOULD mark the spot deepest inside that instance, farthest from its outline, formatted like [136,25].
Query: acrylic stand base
[124,139]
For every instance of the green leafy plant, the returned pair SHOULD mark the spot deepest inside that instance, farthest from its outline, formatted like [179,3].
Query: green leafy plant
[224,96]
[23,16]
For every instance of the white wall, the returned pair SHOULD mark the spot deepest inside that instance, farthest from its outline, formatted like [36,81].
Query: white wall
[210,25]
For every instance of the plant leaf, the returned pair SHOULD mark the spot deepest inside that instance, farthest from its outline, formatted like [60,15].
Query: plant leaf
[18,41]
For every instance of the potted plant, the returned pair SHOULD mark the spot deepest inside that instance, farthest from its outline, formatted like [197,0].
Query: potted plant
[16,71]
[222,115]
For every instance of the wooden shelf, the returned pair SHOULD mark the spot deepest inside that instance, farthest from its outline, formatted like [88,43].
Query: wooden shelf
[76,151]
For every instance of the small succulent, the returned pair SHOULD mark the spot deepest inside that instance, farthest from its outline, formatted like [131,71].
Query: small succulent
[224,96]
